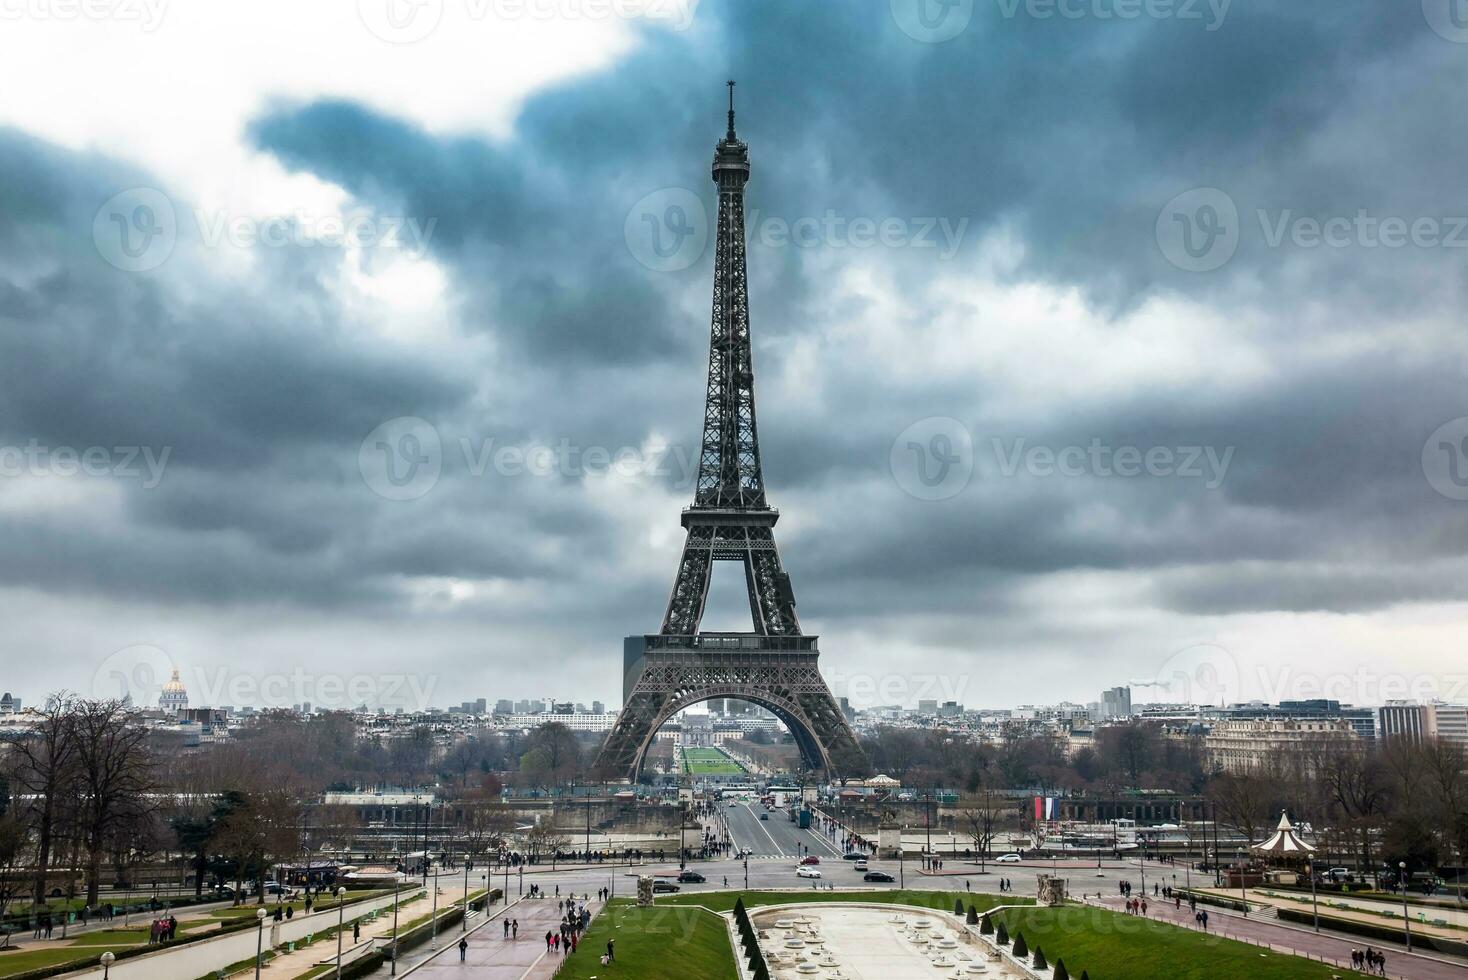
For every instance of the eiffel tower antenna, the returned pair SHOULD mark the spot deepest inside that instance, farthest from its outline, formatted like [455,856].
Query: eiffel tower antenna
[773,666]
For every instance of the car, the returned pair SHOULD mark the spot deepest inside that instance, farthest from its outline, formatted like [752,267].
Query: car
[691,877]
[764,816]
[1007,859]
[860,866]
[877,876]
[810,859]
[854,856]
[806,871]
[661,886]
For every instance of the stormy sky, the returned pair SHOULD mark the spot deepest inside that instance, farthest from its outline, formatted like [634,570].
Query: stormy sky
[356,354]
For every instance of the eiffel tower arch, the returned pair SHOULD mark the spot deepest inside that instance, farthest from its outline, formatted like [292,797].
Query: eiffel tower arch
[775,666]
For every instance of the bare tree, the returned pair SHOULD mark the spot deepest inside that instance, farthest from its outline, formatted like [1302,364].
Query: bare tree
[44,770]
[114,779]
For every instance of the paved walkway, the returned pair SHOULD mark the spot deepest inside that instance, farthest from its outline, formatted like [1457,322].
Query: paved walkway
[492,957]
[292,964]
[1301,942]
[1362,911]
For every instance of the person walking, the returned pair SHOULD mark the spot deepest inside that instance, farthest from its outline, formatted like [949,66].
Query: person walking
[548,935]
[611,951]
[356,932]
[463,949]
[507,928]
[514,928]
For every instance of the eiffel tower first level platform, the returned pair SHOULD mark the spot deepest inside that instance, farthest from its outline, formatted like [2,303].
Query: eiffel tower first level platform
[730,520]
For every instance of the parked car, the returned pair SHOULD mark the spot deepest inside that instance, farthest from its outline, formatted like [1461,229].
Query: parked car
[661,886]
[691,877]
[877,876]
[810,859]
[806,871]
[1007,859]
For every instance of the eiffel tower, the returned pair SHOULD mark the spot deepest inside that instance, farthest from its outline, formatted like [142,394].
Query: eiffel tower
[730,520]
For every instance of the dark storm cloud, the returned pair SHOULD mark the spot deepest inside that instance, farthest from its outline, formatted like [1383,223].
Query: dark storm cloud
[1066,138]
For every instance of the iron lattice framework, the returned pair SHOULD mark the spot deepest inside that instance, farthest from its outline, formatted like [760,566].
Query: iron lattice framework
[730,520]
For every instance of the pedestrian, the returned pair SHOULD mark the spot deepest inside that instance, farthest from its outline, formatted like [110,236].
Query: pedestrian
[547,940]
[514,928]
[1144,906]
[463,949]
[611,951]
[1204,913]
[507,928]
[357,931]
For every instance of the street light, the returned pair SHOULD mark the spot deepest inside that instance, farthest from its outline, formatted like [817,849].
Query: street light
[259,939]
[1314,904]
[107,959]
[464,919]
[396,890]
[341,906]
[1406,918]
[1243,894]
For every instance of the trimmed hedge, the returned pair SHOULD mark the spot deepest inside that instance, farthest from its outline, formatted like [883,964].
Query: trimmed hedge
[1384,932]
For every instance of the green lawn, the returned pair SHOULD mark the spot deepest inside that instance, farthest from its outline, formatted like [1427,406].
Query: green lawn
[662,941]
[1110,944]
[709,762]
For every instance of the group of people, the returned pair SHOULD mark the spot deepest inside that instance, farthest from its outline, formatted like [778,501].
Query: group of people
[1005,885]
[162,930]
[574,920]
[1136,906]
[1369,959]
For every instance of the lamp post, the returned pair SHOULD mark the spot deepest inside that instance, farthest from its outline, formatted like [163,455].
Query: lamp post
[259,940]
[341,911]
[1243,894]
[396,890]
[107,959]
[1406,918]
[433,917]
[464,919]
[1314,904]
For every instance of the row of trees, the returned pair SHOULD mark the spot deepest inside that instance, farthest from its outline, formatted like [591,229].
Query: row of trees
[81,794]
[1401,800]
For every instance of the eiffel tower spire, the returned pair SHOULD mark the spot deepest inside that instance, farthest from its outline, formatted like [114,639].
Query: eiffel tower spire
[730,518]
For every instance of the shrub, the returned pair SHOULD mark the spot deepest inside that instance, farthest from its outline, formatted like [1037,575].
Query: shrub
[1021,948]
[973,916]
[1061,973]
[1040,962]
[986,925]
[1002,938]
[958,906]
